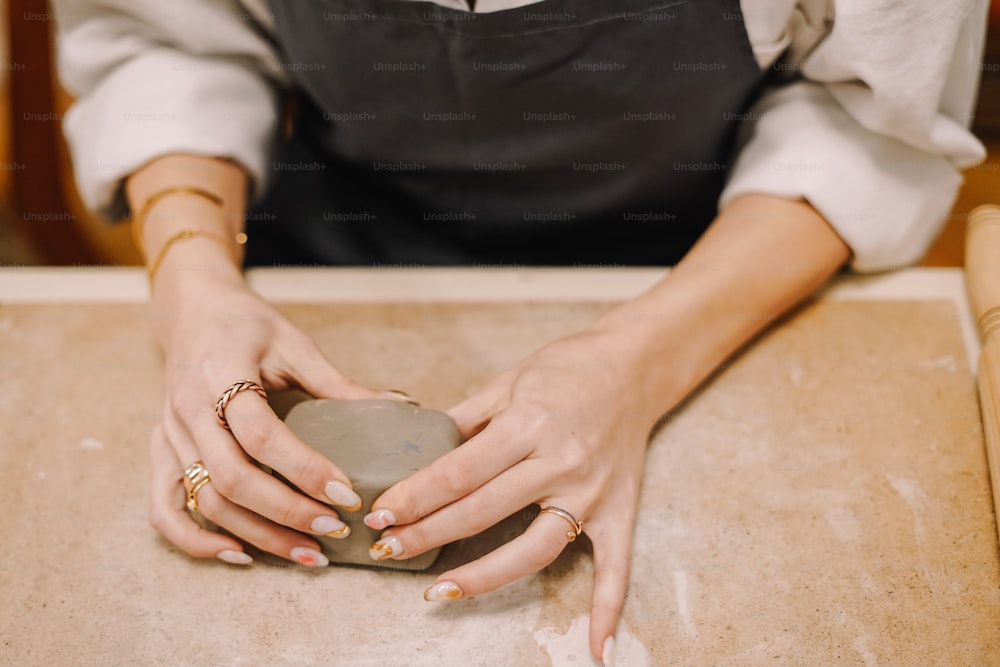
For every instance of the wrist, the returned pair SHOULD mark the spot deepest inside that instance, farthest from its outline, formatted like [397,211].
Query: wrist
[196,281]
[721,294]
[195,263]
[651,341]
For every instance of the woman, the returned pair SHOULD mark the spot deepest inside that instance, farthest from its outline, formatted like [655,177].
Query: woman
[757,146]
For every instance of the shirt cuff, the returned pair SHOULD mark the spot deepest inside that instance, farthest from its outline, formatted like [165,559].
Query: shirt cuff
[886,199]
[163,102]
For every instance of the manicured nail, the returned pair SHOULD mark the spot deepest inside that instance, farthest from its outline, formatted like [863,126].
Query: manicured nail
[310,557]
[608,652]
[380,519]
[234,557]
[341,494]
[400,395]
[446,590]
[386,547]
[330,526]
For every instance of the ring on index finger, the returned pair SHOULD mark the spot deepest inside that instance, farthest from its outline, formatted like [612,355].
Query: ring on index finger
[229,393]
[558,511]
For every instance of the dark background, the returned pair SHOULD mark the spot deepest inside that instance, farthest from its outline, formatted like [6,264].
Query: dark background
[35,177]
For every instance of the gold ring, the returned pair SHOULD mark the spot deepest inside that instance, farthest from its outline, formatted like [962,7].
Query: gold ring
[577,525]
[229,393]
[195,477]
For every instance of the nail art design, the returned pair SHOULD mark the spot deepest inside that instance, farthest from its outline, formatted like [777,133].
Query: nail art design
[387,547]
[380,519]
[340,533]
[330,526]
[310,557]
[234,557]
[343,495]
[446,590]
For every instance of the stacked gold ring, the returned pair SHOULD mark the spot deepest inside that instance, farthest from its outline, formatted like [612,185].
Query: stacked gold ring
[229,393]
[195,477]
[577,525]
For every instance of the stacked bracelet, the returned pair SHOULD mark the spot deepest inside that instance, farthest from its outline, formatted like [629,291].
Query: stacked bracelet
[187,233]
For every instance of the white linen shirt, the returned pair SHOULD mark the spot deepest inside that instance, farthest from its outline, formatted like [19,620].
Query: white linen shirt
[871,127]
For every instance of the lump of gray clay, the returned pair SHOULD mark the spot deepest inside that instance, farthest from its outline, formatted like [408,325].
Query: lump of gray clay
[376,443]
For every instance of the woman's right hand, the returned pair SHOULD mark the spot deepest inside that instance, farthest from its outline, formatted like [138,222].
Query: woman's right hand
[214,332]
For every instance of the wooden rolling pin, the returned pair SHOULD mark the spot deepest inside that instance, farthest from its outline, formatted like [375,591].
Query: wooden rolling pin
[982,281]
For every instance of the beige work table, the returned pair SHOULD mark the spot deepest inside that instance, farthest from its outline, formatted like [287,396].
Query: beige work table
[824,500]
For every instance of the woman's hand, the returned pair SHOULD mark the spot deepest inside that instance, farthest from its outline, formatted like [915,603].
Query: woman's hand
[214,332]
[566,428]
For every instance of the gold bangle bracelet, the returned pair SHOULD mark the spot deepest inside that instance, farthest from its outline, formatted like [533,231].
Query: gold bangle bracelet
[182,235]
[140,217]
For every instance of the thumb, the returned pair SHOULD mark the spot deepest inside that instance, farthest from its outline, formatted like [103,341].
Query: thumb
[475,412]
[314,373]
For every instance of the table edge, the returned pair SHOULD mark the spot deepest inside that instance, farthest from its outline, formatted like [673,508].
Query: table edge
[104,284]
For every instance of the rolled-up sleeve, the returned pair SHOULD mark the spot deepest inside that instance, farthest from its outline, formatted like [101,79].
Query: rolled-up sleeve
[152,79]
[873,129]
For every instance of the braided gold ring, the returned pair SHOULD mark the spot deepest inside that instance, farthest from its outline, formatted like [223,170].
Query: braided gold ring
[229,393]
[195,477]
[577,525]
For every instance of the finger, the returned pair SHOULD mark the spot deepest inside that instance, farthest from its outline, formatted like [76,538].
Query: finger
[455,475]
[314,373]
[502,496]
[168,516]
[540,544]
[612,546]
[242,521]
[475,412]
[246,485]
[267,439]
[257,530]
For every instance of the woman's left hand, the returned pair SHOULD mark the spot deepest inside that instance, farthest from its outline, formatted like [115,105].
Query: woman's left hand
[567,428]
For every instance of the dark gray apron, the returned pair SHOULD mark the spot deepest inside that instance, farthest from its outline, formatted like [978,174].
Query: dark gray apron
[559,133]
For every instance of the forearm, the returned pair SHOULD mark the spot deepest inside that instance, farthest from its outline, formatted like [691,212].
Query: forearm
[214,252]
[759,258]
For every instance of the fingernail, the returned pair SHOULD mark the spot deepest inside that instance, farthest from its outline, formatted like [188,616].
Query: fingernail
[310,557]
[400,395]
[446,590]
[386,547]
[341,494]
[234,557]
[608,651]
[380,519]
[330,526]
